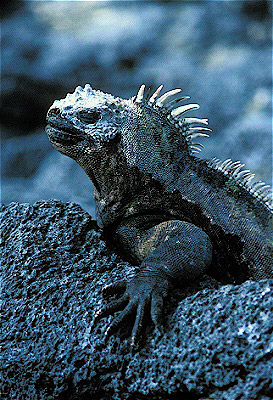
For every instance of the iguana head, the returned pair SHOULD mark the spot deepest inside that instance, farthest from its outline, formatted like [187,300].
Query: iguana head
[85,126]
[107,135]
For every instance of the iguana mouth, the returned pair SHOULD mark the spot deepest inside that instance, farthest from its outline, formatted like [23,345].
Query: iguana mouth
[60,130]
[63,136]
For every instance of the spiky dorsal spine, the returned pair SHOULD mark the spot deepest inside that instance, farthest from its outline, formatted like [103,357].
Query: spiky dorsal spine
[244,178]
[188,128]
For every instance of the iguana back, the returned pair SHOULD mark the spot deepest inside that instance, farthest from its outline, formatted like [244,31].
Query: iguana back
[164,208]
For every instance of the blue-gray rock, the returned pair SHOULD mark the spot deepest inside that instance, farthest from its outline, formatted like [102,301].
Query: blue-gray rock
[249,140]
[33,170]
[217,344]
[218,52]
[22,156]
[214,50]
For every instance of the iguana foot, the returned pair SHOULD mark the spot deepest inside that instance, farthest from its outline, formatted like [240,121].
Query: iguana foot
[140,292]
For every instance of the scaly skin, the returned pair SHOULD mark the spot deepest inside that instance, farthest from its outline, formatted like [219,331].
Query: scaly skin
[169,212]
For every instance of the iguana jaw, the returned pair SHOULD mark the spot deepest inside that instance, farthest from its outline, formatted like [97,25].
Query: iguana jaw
[60,137]
[60,131]
[73,146]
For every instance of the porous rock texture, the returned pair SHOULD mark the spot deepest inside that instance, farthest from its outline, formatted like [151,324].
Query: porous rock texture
[217,341]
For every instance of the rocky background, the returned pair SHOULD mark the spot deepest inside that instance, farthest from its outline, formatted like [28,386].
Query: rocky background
[219,52]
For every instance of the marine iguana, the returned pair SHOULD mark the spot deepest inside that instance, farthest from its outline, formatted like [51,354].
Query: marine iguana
[166,210]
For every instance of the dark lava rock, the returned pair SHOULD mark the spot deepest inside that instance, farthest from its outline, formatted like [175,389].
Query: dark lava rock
[21,156]
[55,176]
[9,7]
[218,52]
[44,58]
[217,342]
[258,9]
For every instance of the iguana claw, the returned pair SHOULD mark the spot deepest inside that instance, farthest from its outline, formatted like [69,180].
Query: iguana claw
[138,295]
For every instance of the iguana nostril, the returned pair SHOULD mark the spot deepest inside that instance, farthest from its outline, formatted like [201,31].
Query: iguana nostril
[89,116]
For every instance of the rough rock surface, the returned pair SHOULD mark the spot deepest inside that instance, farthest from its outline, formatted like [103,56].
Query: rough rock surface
[218,341]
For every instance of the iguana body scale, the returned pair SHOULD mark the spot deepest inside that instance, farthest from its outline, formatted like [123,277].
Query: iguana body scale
[165,209]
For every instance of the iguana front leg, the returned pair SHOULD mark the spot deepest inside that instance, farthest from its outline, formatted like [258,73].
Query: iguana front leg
[169,253]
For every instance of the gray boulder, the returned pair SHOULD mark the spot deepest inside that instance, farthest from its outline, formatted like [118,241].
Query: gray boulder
[218,53]
[217,341]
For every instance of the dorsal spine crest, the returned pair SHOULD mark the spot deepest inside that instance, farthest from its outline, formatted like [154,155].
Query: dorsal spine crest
[243,178]
[187,127]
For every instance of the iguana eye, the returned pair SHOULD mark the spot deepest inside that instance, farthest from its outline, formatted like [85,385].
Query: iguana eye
[89,116]
[53,112]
